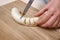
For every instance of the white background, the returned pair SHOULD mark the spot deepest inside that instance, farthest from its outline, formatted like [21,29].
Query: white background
[38,4]
[4,2]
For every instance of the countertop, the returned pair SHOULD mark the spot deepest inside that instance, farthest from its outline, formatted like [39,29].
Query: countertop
[11,30]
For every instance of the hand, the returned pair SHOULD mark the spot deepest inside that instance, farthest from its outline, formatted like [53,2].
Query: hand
[51,18]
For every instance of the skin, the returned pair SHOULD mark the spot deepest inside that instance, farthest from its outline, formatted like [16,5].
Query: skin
[51,19]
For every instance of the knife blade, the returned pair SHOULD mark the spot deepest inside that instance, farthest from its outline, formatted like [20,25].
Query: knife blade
[27,7]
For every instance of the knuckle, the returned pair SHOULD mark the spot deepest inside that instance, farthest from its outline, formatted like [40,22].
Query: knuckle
[53,9]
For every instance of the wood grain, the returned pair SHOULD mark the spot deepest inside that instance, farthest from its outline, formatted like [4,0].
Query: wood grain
[11,30]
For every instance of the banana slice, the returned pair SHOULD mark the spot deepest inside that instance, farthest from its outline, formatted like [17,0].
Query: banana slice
[26,21]
[36,19]
[32,21]
[22,20]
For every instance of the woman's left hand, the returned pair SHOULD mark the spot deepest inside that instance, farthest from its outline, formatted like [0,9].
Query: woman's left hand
[51,18]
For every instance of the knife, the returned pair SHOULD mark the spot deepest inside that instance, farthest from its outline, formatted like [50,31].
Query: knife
[27,7]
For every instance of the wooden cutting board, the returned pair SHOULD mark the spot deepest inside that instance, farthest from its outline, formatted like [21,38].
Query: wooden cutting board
[11,30]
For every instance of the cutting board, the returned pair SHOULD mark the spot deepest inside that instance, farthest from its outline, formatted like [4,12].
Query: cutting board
[11,30]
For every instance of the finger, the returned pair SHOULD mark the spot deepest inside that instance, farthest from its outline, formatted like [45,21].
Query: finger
[51,20]
[43,10]
[46,17]
[56,23]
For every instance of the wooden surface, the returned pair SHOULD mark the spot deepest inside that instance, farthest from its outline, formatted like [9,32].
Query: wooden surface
[11,30]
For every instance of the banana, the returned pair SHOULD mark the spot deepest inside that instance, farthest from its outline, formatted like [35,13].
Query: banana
[25,20]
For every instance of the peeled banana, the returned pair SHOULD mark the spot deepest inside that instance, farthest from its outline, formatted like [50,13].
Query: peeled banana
[25,20]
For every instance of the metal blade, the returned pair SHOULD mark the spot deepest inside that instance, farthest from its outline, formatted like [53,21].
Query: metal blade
[27,7]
